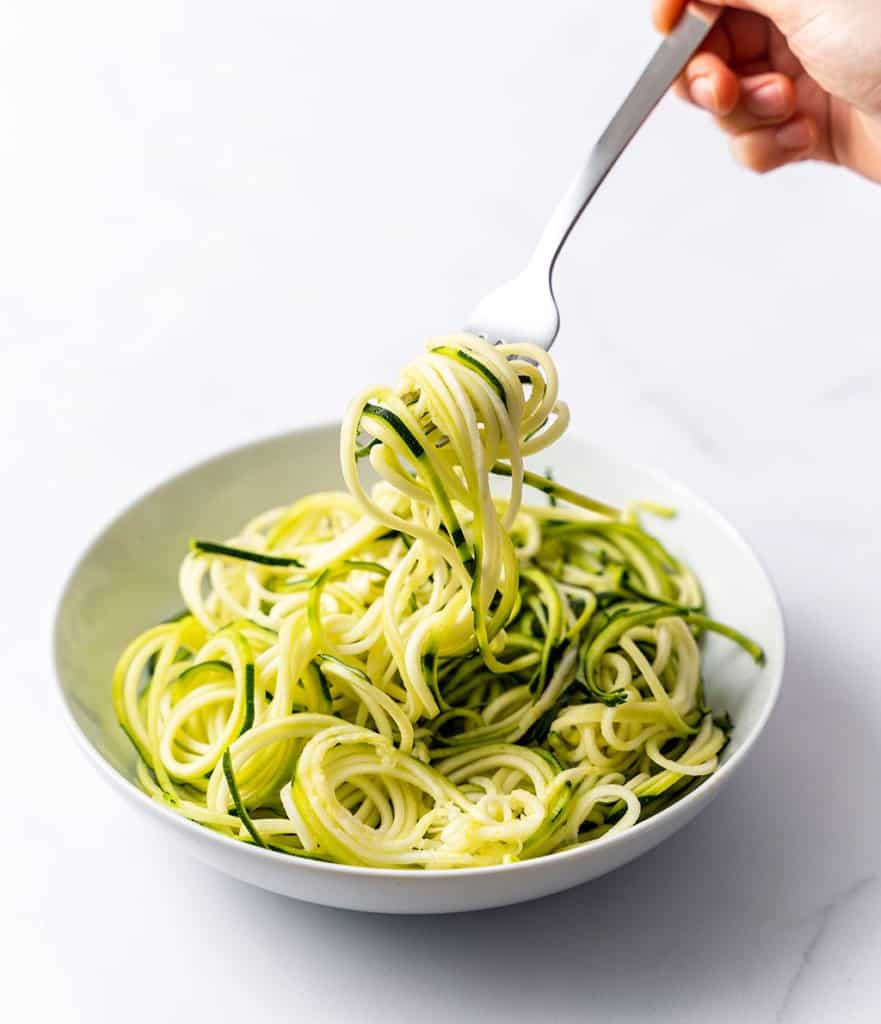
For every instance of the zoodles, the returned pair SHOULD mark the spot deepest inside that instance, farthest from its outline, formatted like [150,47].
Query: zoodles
[427,671]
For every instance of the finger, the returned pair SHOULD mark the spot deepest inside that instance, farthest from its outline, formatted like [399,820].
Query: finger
[665,13]
[781,55]
[739,36]
[717,42]
[766,149]
[710,84]
[741,39]
[765,100]
[753,67]
[749,35]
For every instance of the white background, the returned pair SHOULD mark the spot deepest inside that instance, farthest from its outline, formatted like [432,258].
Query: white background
[217,221]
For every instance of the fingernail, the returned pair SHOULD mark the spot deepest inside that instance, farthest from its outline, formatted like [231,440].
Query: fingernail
[703,92]
[767,100]
[795,135]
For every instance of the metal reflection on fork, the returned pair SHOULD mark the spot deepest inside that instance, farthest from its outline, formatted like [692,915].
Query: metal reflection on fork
[524,309]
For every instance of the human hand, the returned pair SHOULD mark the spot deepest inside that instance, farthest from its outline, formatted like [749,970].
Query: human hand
[791,80]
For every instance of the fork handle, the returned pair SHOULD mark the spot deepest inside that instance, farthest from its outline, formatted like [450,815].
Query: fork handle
[661,72]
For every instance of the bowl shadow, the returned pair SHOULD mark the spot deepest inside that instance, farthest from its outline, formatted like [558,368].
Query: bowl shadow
[713,909]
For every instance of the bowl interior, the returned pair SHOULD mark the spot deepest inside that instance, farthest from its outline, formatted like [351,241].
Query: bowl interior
[127,579]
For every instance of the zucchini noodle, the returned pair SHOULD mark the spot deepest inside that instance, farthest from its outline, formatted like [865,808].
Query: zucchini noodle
[426,671]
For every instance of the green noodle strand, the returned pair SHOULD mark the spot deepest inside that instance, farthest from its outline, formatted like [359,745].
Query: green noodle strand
[425,672]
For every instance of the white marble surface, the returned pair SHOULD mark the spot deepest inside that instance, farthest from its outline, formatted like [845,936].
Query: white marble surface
[218,220]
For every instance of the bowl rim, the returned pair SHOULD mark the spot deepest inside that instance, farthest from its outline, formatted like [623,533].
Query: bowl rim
[699,796]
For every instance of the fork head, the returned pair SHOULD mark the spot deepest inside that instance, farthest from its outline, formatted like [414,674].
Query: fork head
[523,309]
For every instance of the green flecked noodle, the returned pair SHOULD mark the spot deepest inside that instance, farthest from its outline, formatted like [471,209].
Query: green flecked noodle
[427,672]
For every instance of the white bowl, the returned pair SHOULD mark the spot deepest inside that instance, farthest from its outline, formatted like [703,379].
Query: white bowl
[127,581]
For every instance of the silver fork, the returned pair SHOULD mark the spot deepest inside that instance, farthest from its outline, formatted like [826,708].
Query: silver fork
[524,309]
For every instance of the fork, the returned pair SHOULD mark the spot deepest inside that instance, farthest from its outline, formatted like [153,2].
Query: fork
[525,309]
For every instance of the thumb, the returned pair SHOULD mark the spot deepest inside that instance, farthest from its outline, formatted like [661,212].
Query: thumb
[665,13]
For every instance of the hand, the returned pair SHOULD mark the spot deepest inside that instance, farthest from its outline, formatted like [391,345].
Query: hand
[791,80]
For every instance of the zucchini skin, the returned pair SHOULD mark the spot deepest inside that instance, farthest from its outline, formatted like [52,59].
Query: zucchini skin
[426,672]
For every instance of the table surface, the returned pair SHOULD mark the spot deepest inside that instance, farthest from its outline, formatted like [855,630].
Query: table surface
[220,220]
